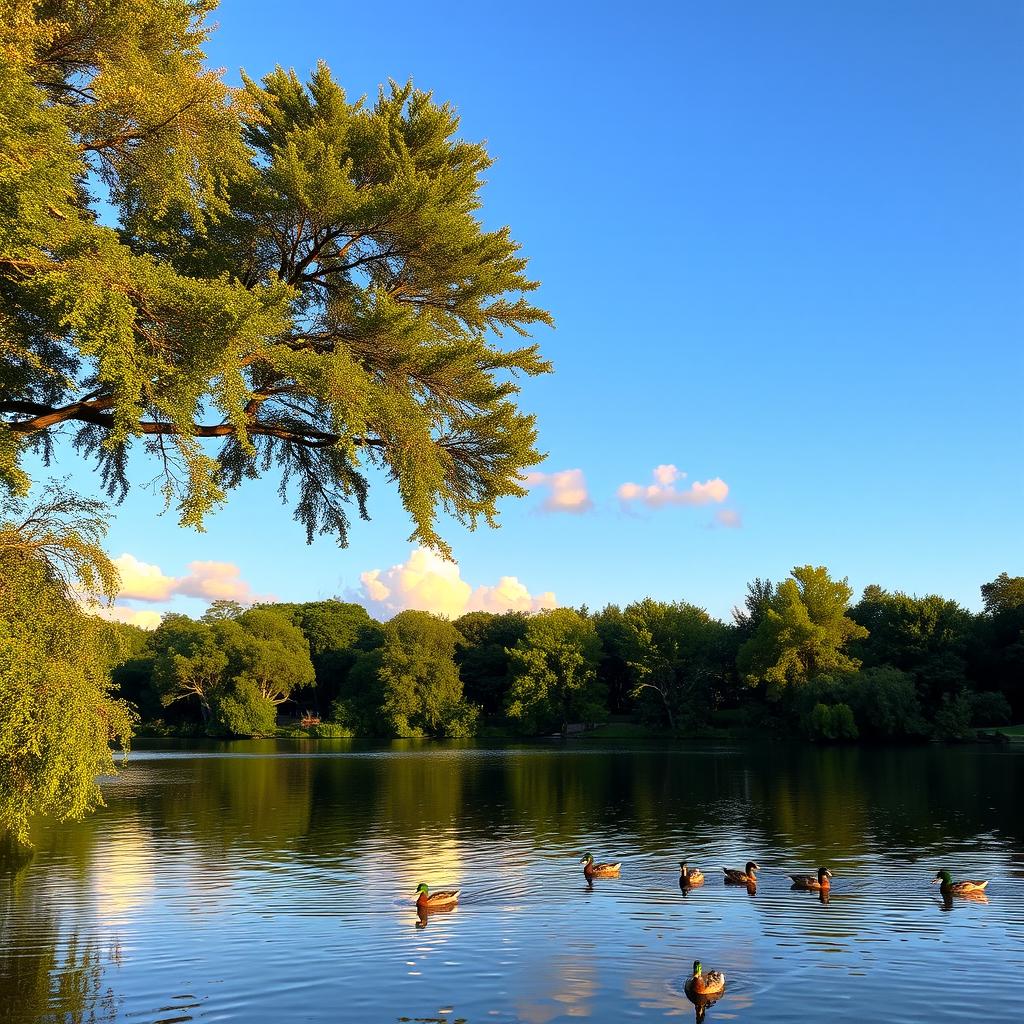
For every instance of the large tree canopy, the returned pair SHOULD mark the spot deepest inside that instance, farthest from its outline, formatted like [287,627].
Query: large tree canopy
[295,278]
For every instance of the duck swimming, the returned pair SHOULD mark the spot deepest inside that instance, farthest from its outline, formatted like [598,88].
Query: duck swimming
[443,899]
[810,882]
[593,870]
[690,877]
[701,984]
[748,876]
[963,888]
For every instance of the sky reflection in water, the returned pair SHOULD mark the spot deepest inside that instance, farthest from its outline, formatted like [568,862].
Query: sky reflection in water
[236,884]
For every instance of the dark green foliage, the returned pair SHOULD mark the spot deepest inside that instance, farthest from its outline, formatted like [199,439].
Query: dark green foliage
[417,681]
[483,659]
[990,708]
[554,673]
[885,703]
[999,659]
[953,717]
[668,664]
[929,637]
[672,654]
[831,722]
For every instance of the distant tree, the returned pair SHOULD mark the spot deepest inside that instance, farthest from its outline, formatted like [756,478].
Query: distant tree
[57,717]
[1005,593]
[412,679]
[336,632]
[483,659]
[999,654]
[297,277]
[189,662]
[222,609]
[803,633]
[760,594]
[265,649]
[613,670]
[554,673]
[885,703]
[927,636]
[670,651]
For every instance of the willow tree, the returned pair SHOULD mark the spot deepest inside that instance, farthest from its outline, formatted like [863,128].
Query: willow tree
[290,281]
[57,718]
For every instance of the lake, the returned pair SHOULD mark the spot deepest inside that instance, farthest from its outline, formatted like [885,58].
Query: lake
[274,882]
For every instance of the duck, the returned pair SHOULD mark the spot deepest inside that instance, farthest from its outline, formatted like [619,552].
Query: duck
[690,876]
[811,882]
[963,888]
[592,870]
[748,876]
[701,984]
[443,899]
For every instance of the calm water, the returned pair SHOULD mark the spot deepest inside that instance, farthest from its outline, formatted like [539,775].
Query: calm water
[272,882]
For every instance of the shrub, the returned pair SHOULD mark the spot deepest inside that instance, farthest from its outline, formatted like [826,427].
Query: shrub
[831,722]
[244,711]
[990,708]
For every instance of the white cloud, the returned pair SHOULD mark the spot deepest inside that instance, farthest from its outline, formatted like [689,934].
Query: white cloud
[141,581]
[664,491]
[729,518]
[428,582]
[147,618]
[567,490]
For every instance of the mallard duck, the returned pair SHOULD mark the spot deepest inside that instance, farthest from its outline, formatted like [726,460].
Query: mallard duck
[748,876]
[592,870]
[701,984]
[811,882]
[964,888]
[440,900]
[690,876]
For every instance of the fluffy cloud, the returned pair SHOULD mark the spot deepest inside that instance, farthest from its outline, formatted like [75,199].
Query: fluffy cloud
[210,581]
[664,491]
[147,618]
[567,490]
[729,518]
[428,582]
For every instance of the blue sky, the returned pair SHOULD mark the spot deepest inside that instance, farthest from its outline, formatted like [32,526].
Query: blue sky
[783,246]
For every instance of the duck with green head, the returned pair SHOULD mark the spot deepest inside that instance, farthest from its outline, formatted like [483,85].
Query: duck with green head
[701,984]
[595,870]
[443,899]
[966,887]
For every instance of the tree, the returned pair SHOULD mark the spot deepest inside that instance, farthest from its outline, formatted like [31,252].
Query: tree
[336,632]
[1000,650]
[221,609]
[554,673]
[802,633]
[57,717]
[296,277]
[483,659]
[189,662]
[420,692]
[929,637]
[266,650]
[670,652]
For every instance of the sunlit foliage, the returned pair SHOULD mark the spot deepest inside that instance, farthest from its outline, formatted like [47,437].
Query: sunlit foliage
[57,717]
[297,278]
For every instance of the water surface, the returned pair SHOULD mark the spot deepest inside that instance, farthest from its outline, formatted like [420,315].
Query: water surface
[271,882]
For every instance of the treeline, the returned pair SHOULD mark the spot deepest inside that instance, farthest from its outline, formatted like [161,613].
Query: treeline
[798,658]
